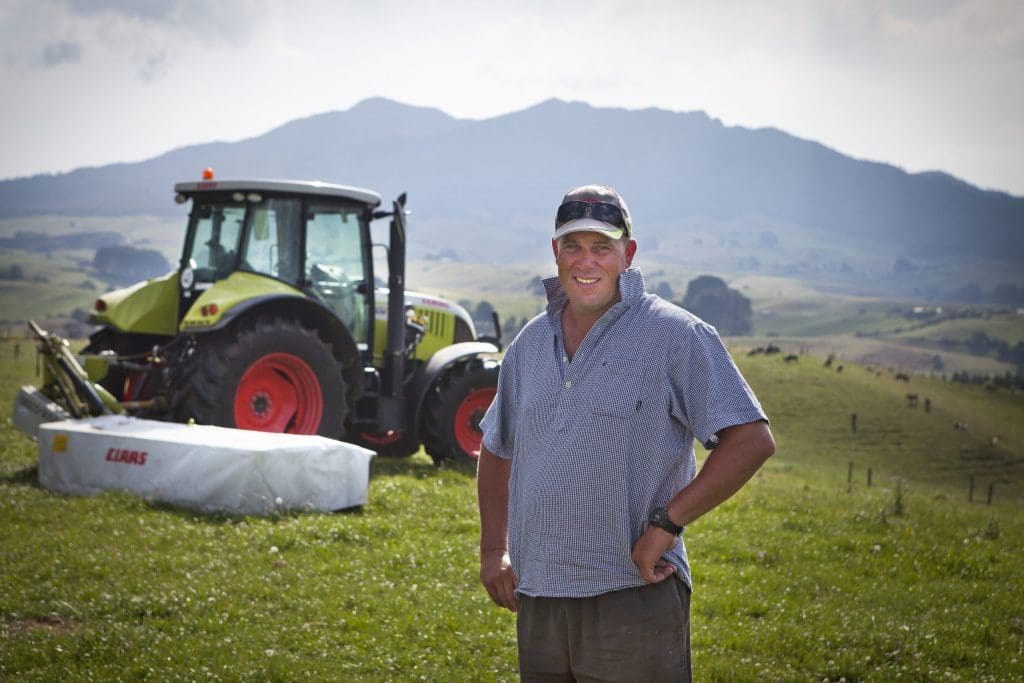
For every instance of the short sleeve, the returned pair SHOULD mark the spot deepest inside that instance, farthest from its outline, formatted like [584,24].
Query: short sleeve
[498,424]
[708,391]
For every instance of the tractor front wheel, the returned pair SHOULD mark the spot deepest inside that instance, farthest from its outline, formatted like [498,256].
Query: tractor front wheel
[272,375]
[453,410]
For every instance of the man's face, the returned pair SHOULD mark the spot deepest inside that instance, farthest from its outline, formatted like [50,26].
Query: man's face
[589,265]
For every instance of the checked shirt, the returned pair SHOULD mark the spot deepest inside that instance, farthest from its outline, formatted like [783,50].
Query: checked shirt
[599,442]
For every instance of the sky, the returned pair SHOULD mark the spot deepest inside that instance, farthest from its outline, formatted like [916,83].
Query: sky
[921,84]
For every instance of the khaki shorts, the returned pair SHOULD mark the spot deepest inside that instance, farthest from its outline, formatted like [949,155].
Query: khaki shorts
[635,634]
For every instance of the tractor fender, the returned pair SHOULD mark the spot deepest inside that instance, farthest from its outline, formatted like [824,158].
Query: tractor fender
[438,364]
[310,313]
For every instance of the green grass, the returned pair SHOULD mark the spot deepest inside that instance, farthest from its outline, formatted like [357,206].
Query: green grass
[801,577]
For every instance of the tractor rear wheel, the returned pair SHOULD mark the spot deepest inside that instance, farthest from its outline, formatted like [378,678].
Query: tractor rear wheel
[272,375]
[453,410]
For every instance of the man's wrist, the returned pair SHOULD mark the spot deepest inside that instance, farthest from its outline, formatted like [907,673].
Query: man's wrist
[660,518]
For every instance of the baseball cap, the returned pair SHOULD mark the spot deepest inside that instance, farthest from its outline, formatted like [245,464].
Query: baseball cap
[593,208]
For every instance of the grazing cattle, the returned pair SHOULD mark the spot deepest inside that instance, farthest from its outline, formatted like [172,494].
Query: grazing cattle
[902,377]
[912,400]
[755,351]
[772,348]
[960,426]
[839,369]
[791,358]
[828,361]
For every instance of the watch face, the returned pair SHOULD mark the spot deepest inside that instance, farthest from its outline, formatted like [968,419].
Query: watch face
[660,518]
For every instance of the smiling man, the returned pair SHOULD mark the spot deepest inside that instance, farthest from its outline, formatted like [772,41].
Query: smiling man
[588,475]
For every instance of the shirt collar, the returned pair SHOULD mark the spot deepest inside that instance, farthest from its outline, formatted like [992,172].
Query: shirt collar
[631,288]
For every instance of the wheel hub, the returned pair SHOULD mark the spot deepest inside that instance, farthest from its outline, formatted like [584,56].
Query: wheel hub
[261,404]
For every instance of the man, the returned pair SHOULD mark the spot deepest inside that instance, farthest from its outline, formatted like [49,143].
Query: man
[587,476]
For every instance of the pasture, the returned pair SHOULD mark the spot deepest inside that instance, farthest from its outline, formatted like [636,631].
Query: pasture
[806,575]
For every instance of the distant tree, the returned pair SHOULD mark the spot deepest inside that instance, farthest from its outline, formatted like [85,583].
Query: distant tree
[483,311]
[536,286]
[1008,293]
[709,298]
[969,293]
[125,265]
[13,272]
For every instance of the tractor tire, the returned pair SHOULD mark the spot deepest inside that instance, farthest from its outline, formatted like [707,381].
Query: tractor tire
[453,410]
[271,375]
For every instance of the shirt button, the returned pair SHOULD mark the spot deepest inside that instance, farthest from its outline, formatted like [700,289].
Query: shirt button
[568,384]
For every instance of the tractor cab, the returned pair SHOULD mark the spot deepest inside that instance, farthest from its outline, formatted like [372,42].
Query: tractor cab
[317,242]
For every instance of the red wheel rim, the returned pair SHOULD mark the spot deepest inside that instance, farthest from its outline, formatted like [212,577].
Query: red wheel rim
[279,393]
[467,420]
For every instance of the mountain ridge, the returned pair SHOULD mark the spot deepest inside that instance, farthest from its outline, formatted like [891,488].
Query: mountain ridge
[501,177]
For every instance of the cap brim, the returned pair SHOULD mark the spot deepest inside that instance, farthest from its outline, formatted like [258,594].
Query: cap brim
[590,225]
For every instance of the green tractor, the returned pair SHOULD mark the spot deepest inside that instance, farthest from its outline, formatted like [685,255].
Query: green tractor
[274,321]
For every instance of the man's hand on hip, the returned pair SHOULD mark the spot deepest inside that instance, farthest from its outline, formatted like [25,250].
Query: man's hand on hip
[499,579]
[648,551]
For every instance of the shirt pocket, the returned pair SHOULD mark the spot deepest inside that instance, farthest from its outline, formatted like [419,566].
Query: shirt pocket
[620,384]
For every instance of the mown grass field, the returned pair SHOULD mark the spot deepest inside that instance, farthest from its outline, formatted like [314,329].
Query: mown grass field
[803,576]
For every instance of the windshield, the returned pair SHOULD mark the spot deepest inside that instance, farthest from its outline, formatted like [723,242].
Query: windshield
[214,232]
[260,237]
[272,243]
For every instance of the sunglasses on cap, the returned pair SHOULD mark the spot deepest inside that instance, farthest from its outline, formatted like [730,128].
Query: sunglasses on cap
[599,211]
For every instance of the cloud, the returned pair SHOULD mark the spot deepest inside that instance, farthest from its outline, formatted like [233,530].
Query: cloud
[137,9]
[146,37]
[63,51]
[154,67]
[229,21]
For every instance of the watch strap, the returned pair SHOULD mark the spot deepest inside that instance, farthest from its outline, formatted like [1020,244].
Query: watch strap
[659,518]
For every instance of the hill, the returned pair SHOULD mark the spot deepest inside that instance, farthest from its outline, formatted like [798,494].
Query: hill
[744,200]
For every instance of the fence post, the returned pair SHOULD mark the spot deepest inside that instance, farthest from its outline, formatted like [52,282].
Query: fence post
[869,477]
[849,477]
[991,488]
[970,490]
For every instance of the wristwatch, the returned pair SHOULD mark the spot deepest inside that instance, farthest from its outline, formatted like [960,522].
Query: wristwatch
[659,518]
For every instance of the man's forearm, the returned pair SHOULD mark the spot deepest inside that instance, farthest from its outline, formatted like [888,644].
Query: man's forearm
[492,493]
[741,451]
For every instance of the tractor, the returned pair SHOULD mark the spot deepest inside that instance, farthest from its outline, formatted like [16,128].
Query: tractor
[275,321]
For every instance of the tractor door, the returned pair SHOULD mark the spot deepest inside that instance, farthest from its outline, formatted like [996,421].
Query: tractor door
[337,264]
